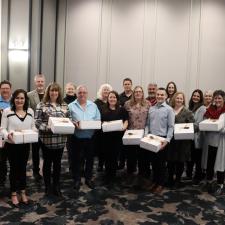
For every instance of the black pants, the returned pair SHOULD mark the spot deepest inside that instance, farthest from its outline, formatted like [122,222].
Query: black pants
[99,148]
[212,151]
[144,160]
[175,168]
[52,158]
[159,166]
[18,156]
[82,155]
[132,157]
[196,159]
[3,164]
[36,156]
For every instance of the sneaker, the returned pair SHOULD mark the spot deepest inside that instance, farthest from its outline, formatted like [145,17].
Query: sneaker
[218,190]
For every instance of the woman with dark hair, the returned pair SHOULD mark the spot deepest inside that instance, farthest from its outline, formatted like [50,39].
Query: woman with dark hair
[17,117]
[213,140]
[113,140]
[179,151]
[52,144]
[196,105]
[171,89]
[137,108]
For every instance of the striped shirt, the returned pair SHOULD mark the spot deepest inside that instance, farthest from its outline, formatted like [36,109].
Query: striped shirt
[42,114]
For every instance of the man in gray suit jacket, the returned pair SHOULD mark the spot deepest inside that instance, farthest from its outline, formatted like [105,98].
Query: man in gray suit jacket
[35,97]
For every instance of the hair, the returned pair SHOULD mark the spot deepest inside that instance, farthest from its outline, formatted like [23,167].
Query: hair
[209,92]
[5,82]
[133,101]
[39,76]
[99,93]
[53,86]
[161,89]
[194,106]
[117,97]
[127,79]
[219,92]
[81,86]
[14,95]
[174,98]
[71,84]
[153,84]
[167,87]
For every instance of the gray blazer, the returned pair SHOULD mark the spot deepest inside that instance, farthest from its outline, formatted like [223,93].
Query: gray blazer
[33,99]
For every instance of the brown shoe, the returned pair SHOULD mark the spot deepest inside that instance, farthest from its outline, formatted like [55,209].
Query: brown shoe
[152,187]
[158,190]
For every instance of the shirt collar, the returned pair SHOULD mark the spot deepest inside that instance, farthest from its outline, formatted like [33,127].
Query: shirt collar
[164,104]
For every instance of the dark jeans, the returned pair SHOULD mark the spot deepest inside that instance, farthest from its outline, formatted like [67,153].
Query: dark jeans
[82,154]
[175,168]
[18,156]
[196,159]
[132,156]
[52,158]
[144,161]
[36,156]
[3,164]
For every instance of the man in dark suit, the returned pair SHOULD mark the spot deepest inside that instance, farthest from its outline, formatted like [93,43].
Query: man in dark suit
[35,97]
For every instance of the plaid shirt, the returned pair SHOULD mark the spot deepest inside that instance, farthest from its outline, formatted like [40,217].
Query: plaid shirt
[42,113]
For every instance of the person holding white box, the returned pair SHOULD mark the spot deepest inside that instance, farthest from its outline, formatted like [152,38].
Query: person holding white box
[179,151]
[81,143]
[112,141]
[17,117]
[53,145]
[215,111]
[137,108]
[196,105]
[160,122]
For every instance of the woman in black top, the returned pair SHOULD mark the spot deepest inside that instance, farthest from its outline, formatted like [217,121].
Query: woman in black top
[70,93]
[113,140]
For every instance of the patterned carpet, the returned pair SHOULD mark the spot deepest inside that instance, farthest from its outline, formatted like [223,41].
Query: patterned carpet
[125,202]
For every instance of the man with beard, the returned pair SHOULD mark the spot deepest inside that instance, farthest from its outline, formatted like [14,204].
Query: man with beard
[152,89]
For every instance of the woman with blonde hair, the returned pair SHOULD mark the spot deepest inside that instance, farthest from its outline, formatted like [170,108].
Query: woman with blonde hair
[208,97]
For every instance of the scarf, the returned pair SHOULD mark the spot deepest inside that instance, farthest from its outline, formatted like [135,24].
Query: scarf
[213,113]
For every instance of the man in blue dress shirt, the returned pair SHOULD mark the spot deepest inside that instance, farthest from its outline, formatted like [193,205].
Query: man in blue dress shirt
[5,91]
[81,144]
[160,122]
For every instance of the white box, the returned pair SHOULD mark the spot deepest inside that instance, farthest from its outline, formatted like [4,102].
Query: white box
[61,125]
[133,137]
[115,125]
[152,142]
[90,124]
[212,124]
[184,131]
[25,136]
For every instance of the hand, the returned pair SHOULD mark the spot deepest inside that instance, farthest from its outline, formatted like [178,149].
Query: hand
[10,137]
[76,124]
[163,145]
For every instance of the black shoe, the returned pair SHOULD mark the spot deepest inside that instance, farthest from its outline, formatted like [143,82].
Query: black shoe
[195,182]
[100,168]
[37,176]
[48,190]
[56,191]
[90,184]
[218,190]
[77,186]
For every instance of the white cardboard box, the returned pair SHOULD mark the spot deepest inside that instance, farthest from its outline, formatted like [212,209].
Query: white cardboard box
[90,124]
[212,124]
[151,142]
[115,125]
[133,137]
[61,125]
[184,131]
[25,136]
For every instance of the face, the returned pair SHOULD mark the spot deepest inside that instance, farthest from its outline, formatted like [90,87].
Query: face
[5,91]
[53,94]
[208,98]
[82,94]
[112,100]
[161,96]
[219,101]
[105,92]
[152,91]
[70,90]
[179,100]
[138,94]
[171,89]
[127,85]
[196,97]
[19,100]
[40,83]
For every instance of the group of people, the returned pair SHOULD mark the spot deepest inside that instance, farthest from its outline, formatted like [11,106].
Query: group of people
[157,114]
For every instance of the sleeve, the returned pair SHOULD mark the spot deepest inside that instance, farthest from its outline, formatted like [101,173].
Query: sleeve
[33,127]
[124,114]
[199,117]
[40,123]
[171,121]
[190,117]
[4,124]
[147,125]
[97,114]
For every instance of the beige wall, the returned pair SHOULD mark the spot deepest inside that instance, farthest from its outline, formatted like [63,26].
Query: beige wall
[146,40]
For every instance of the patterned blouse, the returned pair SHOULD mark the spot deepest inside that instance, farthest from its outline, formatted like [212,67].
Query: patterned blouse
[42,113]
[137,115]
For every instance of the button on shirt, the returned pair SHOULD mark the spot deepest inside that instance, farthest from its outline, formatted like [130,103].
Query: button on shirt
[90,112]
[160,121]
